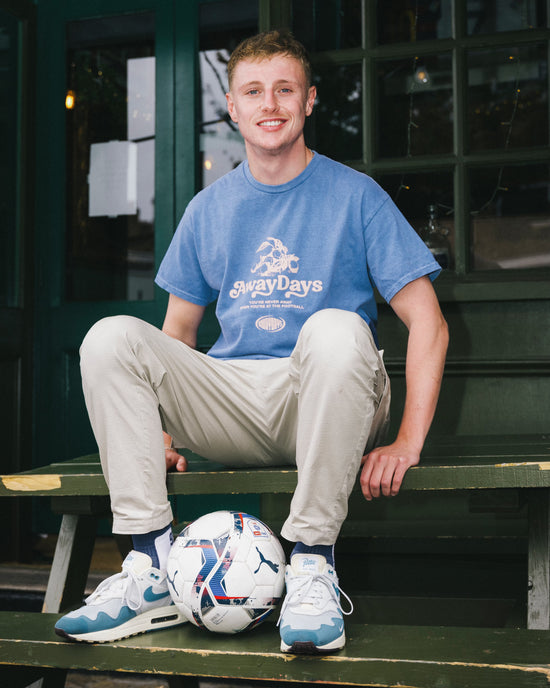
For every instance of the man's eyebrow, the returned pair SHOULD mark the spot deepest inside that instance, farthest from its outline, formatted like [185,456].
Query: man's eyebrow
[286,81]
[279,82]
[251,83]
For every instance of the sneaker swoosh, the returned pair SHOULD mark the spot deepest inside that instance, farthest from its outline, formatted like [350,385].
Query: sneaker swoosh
[150,596]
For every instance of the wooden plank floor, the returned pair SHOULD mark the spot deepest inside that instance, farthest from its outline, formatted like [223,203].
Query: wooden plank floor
[374,655]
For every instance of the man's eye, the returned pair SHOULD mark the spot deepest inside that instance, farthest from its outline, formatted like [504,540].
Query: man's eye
[252,92]
[286,90]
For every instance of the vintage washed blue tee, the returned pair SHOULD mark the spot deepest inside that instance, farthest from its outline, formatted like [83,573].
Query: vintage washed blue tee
[274,255]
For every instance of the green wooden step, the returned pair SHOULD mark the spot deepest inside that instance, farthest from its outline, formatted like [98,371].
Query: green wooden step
[447,464]
[375,655]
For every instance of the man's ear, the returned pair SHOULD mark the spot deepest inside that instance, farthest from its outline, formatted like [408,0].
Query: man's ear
[231,107]
[310,102]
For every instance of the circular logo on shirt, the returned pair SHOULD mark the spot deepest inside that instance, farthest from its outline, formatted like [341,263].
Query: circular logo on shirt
[269,323]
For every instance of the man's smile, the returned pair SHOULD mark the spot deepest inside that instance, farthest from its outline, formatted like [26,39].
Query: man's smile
[271,122]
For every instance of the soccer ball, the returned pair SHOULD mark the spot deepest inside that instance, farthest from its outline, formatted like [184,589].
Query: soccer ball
[226,571]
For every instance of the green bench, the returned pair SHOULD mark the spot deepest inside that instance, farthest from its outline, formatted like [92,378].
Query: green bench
[421,657]
[398,654]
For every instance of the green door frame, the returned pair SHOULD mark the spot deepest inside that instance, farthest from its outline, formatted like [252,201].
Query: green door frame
[61,429]
[16,306]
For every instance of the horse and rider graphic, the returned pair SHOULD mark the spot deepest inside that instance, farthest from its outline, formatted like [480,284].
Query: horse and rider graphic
[278,259]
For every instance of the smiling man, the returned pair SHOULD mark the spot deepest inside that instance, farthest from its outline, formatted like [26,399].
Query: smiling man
[270,100]
[290,245]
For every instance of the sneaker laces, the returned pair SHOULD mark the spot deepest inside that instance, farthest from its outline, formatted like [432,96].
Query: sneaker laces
[123,585]
[310,590]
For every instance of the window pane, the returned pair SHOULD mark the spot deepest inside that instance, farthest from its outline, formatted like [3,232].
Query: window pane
[327,24]
[508,97]
[415,106]
[222,26]
[492,17]
[111,158]
[510,211]
[407,21]
[9,163]
[335,128]
[426,200]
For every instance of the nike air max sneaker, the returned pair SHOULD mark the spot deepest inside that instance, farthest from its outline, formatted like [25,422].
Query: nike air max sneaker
[131,602]
[311,620]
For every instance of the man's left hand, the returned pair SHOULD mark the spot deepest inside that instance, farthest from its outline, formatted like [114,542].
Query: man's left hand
[384,469]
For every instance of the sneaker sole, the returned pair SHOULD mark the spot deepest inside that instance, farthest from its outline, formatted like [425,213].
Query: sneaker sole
[308,647]
[153,620]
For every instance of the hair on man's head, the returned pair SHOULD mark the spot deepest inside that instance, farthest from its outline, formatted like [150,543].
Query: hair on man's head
[266,45]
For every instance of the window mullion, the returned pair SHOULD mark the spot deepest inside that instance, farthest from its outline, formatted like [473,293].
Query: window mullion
[461,209]
[274,14]
[369,85]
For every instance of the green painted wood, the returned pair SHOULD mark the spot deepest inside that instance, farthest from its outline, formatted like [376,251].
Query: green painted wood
[71,563]
[374,655]
[457,464]
[17,168]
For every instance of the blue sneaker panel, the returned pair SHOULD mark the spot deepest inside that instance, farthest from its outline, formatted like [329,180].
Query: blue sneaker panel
[150,596]
[321,636]
[76,625]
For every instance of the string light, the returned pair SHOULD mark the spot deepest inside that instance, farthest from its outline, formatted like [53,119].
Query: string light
[509,124]
[412,124]
[70,100]
[420,76]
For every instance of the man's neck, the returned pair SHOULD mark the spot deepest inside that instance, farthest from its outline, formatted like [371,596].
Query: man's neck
[275,169]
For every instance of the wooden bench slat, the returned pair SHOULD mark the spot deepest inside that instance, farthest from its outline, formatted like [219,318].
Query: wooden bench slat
[374,655]
[201,480]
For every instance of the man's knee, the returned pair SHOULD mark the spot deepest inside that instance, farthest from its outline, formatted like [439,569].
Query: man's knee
[337,338]
[108,341]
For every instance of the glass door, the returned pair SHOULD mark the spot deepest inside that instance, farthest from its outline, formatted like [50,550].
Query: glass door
[110,134]
[106,187]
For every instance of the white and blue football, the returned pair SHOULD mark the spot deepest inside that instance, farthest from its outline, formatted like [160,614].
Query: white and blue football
[226,571]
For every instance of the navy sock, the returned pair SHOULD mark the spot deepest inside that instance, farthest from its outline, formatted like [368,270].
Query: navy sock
[326,551]
[156,544]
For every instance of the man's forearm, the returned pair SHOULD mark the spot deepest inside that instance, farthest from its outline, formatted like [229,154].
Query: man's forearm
[426,351]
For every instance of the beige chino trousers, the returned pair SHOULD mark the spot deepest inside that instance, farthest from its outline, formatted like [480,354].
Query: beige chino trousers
[319,409]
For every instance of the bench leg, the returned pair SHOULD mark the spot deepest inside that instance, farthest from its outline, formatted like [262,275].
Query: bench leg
[71,562]
[538,602]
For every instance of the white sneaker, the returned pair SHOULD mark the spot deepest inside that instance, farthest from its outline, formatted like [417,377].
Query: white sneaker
[131,602]
[311,620]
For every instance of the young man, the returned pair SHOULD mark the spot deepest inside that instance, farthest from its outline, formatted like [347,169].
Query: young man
[290,244]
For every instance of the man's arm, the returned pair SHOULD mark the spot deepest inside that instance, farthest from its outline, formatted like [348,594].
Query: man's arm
[417,306]
[181,322]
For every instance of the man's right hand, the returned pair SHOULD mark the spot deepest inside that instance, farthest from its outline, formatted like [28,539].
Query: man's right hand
[175,461]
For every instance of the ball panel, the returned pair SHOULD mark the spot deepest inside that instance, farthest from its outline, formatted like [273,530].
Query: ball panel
[211,526]
[238,582]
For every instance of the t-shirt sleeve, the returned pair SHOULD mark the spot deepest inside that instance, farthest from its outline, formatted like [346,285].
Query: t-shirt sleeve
[396,255]
[180,272]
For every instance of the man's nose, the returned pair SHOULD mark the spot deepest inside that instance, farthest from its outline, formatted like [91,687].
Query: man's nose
[269,102]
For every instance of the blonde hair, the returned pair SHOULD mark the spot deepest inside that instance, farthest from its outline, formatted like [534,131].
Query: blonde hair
[268,44]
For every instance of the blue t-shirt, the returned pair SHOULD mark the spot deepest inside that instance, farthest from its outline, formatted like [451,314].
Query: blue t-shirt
[274,255]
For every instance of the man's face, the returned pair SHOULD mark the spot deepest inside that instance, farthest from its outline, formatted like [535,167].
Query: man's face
[269,100]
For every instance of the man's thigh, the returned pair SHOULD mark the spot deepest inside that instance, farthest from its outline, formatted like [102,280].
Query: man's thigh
[234,412]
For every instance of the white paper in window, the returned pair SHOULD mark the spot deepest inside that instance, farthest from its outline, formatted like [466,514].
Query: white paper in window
[113,179]
[141,98]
